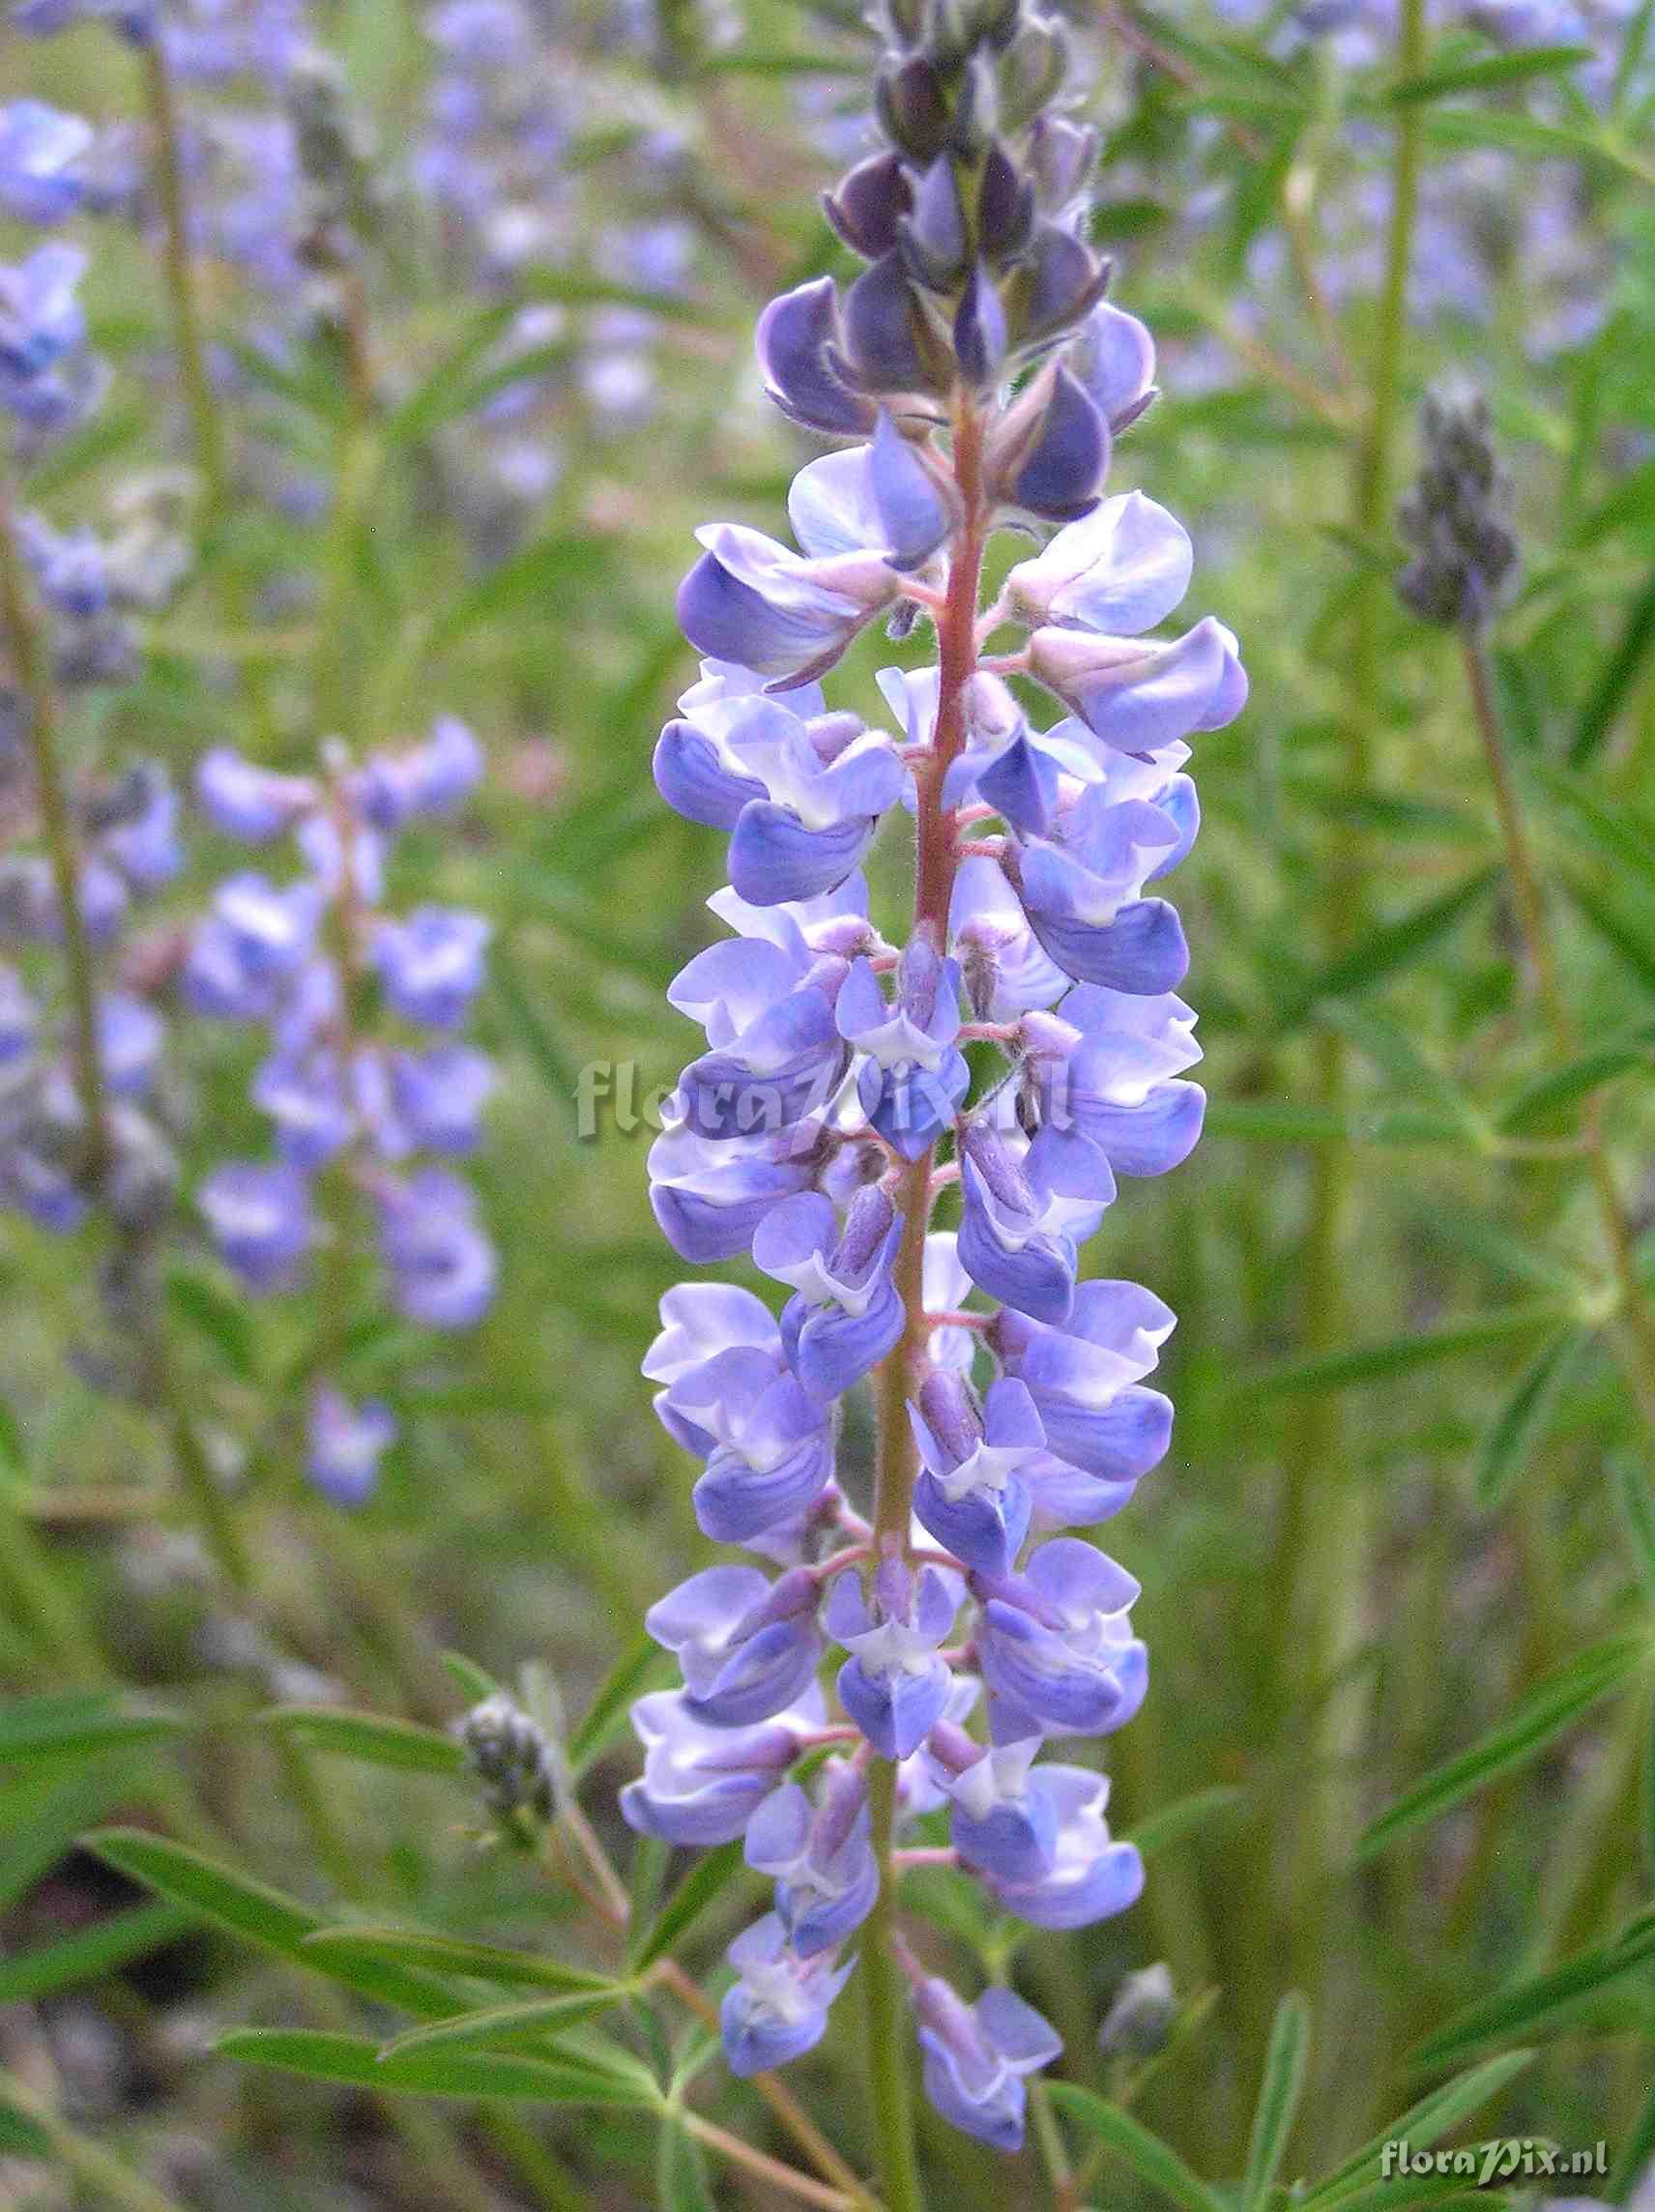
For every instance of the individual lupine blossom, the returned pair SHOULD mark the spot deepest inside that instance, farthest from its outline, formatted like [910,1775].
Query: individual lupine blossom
[128,853]
[367,1082]
[982,379]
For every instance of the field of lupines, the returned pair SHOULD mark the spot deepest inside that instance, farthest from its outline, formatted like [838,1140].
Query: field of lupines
[610,619]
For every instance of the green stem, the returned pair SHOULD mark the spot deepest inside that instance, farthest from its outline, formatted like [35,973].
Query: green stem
[106,2180]
[884,1996]
[26,649]
[1633,1330]
[206,424]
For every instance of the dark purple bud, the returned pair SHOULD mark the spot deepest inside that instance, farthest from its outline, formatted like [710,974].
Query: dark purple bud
[1061,158]
[1064,470]
[913,109]
[946,1401]
[1005,207]
[868,1225]
[979,330]
[796,335]
[934,235]
[976,111]
[1056,286]
[882,330]
[869,204]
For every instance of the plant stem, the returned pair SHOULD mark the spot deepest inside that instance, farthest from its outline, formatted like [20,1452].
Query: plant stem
[937,858]
[103,2175]
[1633,1332]
[206,424]
[787,2178]
[26,649]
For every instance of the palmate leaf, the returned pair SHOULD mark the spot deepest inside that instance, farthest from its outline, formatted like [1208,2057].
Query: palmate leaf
[1390,1046]
[1549,1095]
[1538,1721]
[1421,2125]
[519,2022]
[355,2060]
[1152,2161]
[1544,1998]
[1279,2095]
[1519,1423]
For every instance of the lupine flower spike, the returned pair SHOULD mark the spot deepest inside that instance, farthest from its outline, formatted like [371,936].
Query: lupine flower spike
[982,378]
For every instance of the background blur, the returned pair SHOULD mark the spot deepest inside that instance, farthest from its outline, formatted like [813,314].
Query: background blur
[1404,1488]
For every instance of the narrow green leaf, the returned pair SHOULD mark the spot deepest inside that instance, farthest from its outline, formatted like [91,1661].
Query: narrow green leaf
[686,1904]
[451,1955]
[1152,2161]
[1637,1510]
[1276,1122]
[642,1663]
[1621,673]
[1279,2095]
[93,1953]
[36,1730]
[1624,834]
[1543,1716]
[1542,1100]
[209,1313]
[354,2062]
[1172,1823]
[507,2023]
[522,1017]
[260,1915]
[1628,940]
[549,568]
[1402,1355]
[1422,2124]
[573,289]
[1390,1046]
[1543,1998]
[371,1737]
[474,1685]
[681,2183]
[1508,1443]
[1495,74]
[1636,2153]
[1391,947]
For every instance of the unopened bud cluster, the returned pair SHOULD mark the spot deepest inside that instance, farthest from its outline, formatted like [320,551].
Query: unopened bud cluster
[1455,514]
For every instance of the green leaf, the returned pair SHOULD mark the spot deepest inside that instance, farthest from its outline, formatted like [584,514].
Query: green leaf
[521,1016]
[1624,834]
[1152,2161]
[96,1952]
[474,1685]
[1543,1716]
[1495,74]
[369,1736]
[1391,947]
[1508,1441]
[80,1727]
[1276,1122]
[1543,1998]
[551,568]
[685,1906]
[1636,2153]
[1388,1045]
[1621,673]
[451,1955]
[681,2183]
[1542,1100]
[1279,2095]
[1401,1354]
[210,1313]
[507,2023]
[260,1915]
[573,289]
[1630,939]
[1636,1503]
[353,2060]
[640,1665]
[1173,1821]
[1422,2125]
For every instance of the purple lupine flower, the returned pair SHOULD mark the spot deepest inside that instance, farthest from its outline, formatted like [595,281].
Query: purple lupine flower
[431,779]
[252,944]
[895,1686]
[41,320]
[968,1496]
[747,1646]
[819,1858]
[346,1444]
[701,1785]
[798,789]
[1089,1876]
[260,1219]
[844,1315]
[134,19]
[246,800]
[41,153]
[431,965]
[777,2009]
[1057,1646]
[977,2056]
[439,1096]
[441,1264]
[982,379]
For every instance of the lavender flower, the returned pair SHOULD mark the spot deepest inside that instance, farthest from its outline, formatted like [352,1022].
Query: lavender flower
[983,380]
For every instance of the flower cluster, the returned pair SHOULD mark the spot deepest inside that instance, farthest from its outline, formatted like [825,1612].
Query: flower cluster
[367,1082]
[984,378]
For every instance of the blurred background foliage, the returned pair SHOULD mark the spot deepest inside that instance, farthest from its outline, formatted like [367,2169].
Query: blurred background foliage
[1409,1499]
